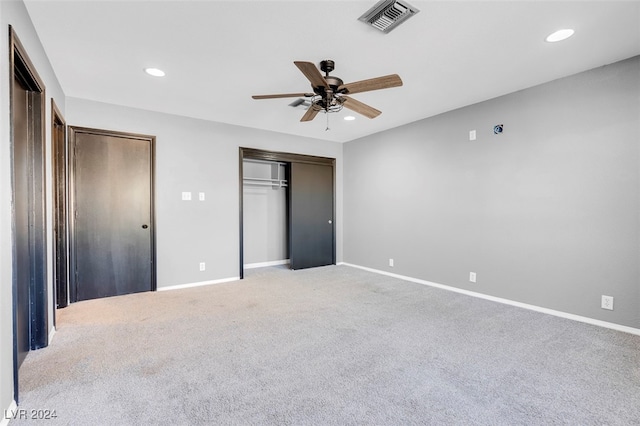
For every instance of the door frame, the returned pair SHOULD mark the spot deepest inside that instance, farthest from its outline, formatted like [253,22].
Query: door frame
[72,131]
[285,157]
[20,66]
[60,202]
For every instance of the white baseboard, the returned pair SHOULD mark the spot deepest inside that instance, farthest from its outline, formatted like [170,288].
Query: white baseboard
[9,414]
[198,284]
[560,314]
[265,264]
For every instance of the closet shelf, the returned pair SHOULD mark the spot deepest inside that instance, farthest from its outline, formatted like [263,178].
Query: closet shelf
[275,170]
[265,182]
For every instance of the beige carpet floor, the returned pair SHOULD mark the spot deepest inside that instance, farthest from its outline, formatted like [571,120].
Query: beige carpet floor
[332,345]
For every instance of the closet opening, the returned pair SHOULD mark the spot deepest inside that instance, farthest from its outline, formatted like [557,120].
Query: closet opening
[266,195]
[287,210]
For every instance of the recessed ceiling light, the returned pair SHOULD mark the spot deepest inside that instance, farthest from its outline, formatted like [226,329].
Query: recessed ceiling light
[349,118]
[560,35]
[154,72]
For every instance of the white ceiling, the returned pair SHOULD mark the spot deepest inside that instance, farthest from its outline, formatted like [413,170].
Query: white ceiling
[218,53]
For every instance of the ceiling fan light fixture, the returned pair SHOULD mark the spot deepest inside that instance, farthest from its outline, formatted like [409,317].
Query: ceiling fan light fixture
[349,118]
[327,104]
[388,14]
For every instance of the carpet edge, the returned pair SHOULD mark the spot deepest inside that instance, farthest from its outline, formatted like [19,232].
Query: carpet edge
[561,314]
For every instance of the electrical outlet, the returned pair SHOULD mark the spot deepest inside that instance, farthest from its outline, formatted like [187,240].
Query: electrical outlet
[201,196]
[607,302]
[391,262]
[472,135]
[202,266]
[472,277]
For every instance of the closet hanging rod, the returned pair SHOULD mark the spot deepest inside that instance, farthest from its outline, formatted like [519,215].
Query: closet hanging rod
[264,179]
[266,182]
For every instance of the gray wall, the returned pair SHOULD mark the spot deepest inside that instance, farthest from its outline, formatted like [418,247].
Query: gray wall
[198,156]
[264,211]
[546,213]
[14,13]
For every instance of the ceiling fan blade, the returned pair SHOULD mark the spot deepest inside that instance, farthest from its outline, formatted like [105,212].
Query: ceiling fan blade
[360,107]
[385,82]
[283,95]
[312,73]
[310,114]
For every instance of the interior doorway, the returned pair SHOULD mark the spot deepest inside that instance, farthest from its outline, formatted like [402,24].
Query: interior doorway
[30,296]
[310,205]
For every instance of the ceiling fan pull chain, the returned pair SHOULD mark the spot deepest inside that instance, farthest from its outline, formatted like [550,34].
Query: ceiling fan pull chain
[327,129]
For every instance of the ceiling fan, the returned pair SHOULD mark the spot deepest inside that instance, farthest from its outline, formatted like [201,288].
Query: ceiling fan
[330,93]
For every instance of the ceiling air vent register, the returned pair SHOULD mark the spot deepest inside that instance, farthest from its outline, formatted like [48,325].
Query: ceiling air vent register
[388,14]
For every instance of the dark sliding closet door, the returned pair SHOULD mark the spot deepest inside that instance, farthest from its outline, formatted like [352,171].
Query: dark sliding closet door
[311,215]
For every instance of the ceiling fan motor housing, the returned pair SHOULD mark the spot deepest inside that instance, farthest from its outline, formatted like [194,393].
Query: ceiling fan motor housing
[333,82]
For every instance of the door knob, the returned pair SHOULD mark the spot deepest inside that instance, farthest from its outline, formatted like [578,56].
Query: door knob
[330,221]
[145,226]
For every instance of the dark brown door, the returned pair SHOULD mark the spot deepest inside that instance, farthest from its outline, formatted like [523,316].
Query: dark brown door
[113,244]
[30,298]
[23,217]
[311,215]
[58,133]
